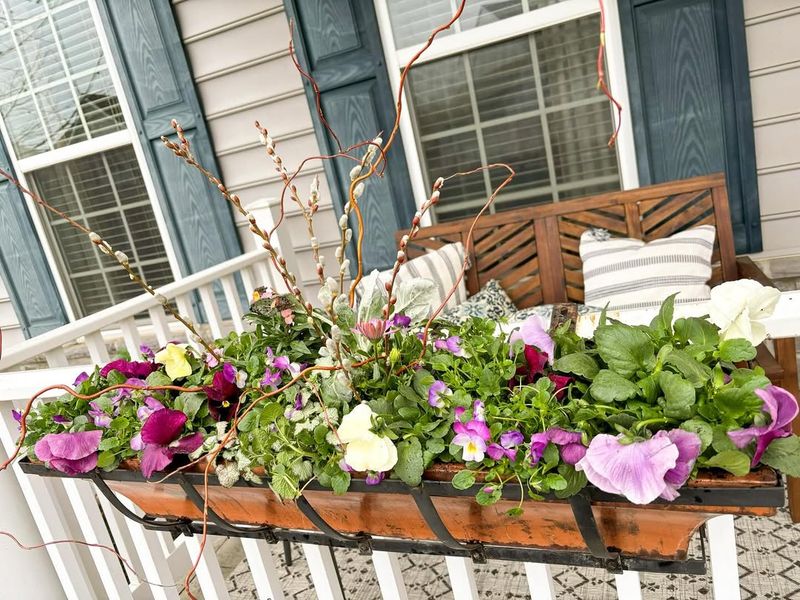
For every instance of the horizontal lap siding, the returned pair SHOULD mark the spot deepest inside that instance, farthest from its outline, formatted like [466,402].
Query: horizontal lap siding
[773,47]
[9,324]
[243,72]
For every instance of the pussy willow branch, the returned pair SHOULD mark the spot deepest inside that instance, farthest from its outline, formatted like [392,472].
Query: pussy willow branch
[121,258]
[183,150]
[388,144]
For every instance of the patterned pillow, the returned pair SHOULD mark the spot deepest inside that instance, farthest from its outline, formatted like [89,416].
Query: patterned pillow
[491,302]
[625,273]
[546,312]
[442,266]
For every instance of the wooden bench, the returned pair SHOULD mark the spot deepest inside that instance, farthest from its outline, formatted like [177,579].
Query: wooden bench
[533,252]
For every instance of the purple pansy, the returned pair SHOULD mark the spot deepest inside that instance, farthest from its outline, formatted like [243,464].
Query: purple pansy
[569,442]
[147,352]
[561,382]
[533,332]
[212,361]
[452,344]
[234,375]
[782,408]
[223,396]
[129,368]
[374,478]
[70,453]
[400,321]
[437,392]
[61,419]
[373,330]
[643,470]
[150,406]
[472,435]
[80,379]
[507,446]
[161,436]
[99,417]
[271,378]
[17,415]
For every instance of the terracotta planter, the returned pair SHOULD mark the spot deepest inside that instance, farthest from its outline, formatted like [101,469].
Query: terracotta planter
[659,531]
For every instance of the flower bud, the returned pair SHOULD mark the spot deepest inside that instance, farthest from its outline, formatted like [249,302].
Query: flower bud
[96,239]
[121,257]
[358,190]
[343,222]
[355,172]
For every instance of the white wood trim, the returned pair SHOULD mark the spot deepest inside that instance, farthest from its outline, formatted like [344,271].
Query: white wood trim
[390,576]
[323,572]
[540,581]
[73,151]
[149,185]
[629,587]
[723,557]
[410,141]
[618,84]
[462,578]
[541,18]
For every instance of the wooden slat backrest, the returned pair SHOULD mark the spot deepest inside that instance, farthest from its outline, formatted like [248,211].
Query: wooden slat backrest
[533,251]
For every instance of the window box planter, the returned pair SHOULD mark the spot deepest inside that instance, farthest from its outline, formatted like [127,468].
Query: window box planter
[593,528]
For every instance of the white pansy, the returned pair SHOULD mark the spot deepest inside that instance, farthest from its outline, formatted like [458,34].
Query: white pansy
[366,450]
[738,308]
[373,453]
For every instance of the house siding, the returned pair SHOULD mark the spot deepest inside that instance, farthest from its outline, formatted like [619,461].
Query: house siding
[238,52]
[9,324]
[773,48]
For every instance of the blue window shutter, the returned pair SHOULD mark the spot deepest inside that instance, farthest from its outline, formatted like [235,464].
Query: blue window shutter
[23,264]
[338,43]
[158,86]
[686,63]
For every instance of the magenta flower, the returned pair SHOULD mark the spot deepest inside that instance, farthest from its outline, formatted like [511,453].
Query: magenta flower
[451,344]
[782,408]
[539,443]
[161,436]
[533,332]
[271,379]
[223,396]
[129,368]
[150,406]
[80,379]
[61,420]
[400,321]
[374,478]
[70,453]
[561,382]
[373,330]
[234,375]
[437,392]
[507,446]
[282,363]
[643,470]
[17,415]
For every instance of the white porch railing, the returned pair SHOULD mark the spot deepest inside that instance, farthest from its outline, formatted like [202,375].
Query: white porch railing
[70,509]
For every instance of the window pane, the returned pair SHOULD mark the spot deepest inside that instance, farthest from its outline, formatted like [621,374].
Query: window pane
[483,12]
[57,55]
[104,192]
[413,20]
[530,102]
[24,127]
[24,9]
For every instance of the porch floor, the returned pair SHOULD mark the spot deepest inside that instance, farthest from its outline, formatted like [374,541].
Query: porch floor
[769,566]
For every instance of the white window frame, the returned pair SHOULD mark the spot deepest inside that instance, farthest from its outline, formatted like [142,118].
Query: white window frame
[110,141]
[526,23]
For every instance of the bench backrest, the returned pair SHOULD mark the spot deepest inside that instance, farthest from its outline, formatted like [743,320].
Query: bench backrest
[533,251]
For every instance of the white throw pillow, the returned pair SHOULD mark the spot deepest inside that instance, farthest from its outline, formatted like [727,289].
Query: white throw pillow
[442,266]
[626,273]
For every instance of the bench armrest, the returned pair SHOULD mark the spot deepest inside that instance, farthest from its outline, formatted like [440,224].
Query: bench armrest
[747,269]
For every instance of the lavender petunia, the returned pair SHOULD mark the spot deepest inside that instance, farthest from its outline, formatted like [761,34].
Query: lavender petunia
[70,453]
[161,436]
[781,406]
[569,443]
[436,393]
[539,443]
[639,470]
[533,332]
[511,438]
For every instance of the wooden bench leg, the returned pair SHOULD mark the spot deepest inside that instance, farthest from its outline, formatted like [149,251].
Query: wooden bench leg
[786,355]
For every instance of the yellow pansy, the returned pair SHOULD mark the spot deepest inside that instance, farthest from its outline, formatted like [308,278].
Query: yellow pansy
[173,357]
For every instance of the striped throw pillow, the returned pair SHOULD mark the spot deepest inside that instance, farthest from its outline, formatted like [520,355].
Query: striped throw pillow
[442,266]
[626,273]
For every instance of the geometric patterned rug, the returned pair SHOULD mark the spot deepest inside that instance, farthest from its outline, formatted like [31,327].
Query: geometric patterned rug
[769,567]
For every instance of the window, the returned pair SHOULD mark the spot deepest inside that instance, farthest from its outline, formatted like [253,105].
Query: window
[63,122]
[504,88]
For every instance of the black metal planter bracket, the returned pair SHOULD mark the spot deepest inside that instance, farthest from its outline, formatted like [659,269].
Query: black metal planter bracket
[148,521]
[584,517]
[197,499]
[434,521]
[362,540]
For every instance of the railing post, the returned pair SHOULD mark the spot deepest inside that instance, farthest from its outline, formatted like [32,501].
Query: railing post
[462,578]
[262,568]
[322,568]
[540,581]
[390,575]
[724,559]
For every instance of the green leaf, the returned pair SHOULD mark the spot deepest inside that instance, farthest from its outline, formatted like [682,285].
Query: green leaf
[415,298]
[409,461]
[555,482]
[721,442]
[736,402]
[340,481]
[697,331]
[736,350]
[373,297]
[115,377]
[663,321]
[463,480]
[696,372]
[576,481]
[608,386]
[514,512]
[189,403]
[270,413]
[284,483]
[434,446]
[783,454]
[158,378]
[733,461]
[105,460]
[703,430]
[625,349]
[679,395]
[578,363]
[485,498]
